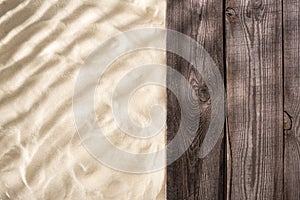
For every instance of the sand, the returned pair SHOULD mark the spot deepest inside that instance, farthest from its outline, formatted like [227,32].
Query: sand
[43,44]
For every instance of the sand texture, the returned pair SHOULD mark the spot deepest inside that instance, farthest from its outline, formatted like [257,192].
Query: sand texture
[43,44]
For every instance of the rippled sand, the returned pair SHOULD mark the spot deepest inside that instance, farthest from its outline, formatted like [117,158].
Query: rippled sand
[42,46]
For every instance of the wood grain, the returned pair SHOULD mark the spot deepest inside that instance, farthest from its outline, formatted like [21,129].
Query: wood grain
[291,27]
[191,177]
[255,99]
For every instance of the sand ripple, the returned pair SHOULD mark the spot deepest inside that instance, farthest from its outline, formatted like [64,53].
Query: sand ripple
[42,46]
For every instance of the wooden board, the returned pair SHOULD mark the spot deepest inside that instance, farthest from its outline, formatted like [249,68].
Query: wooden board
[291,27]
[191,177]
[254,96]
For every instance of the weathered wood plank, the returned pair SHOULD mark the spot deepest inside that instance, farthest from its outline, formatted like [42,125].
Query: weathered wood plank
[254,96]
[291,27]
[191,177]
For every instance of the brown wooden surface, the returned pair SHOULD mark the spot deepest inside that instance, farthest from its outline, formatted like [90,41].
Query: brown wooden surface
[291,27]
[261,156]
[254,98]
[191,177]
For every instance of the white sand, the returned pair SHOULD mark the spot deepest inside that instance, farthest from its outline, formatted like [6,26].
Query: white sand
[42,46]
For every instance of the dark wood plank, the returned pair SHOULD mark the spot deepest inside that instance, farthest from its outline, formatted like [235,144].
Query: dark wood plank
[191,177]
[291,27]
[254,96]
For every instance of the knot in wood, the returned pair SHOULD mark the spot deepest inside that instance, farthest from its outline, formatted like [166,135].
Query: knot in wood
[287,121]
[257,5]
[203,93]
[230,12]
[256,10]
